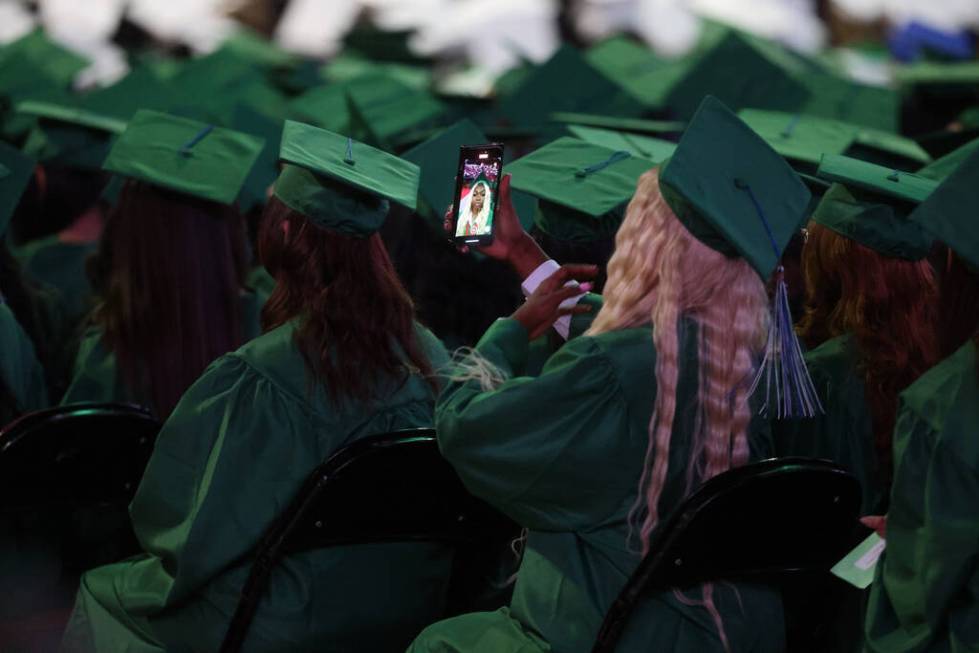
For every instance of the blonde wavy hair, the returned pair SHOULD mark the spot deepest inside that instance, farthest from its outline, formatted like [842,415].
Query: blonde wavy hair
[660,273]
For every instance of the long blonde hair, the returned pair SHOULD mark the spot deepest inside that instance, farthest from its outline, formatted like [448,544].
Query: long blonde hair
[660,273]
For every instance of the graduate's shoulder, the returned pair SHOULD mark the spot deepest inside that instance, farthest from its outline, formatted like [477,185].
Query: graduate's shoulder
[833,360]
[946,399]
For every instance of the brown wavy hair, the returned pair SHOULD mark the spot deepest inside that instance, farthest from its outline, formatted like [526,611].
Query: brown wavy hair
[887,304]
[357,321]
[169,274]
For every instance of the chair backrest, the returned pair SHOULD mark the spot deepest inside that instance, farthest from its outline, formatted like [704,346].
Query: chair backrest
[758,521]
[394,487]
[80,454]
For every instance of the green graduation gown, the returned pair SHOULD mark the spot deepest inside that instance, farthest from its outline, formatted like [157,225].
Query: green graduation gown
[562,454]
[229,459]
[62,265]
[925,596]
[19,368]
[844,433]
[96,379]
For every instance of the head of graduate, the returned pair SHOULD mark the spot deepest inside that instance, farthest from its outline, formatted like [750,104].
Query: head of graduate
[867,277]
[701,236]
[170,267]
[319,239]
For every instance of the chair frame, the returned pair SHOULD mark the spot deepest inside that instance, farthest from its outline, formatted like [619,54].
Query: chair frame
[662,555]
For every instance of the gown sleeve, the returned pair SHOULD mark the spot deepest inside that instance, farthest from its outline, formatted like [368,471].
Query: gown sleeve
[530,446]
[95,376]
[925,596]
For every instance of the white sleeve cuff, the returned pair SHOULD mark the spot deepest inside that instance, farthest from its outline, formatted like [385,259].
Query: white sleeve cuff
[536,278]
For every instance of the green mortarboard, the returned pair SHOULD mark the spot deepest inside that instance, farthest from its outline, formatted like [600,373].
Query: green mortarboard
[871,204]
[566,82]
[324,106]
[639,125]
[741,71]
[653,149]
[35,60]
[184,155]
[15,173]
[387,113]
[377,44]
[508,83]
[582,187]
[969,118]
[941,168]
[721,179]
[140,89]
[936,73]
[348,67]
[70,136]
[832,96]
[251,46]
[643,74]
[805,139]
[340,184]
[950,212]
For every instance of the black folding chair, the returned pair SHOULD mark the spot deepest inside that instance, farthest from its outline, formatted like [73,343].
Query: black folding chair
[764,521]
[387,488]
[73,470]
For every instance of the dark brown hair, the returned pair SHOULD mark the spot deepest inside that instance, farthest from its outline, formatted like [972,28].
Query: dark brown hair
[169,272]
[357,322]
[887,304]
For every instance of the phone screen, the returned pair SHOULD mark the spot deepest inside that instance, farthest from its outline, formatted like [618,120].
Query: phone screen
[479,173]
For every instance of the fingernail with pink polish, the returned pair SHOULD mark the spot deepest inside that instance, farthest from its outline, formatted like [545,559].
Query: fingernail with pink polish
[586,286]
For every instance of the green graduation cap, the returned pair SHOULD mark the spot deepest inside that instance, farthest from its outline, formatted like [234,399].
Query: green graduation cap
[350,66]
[388,113]
[832,96]
[742,71]
[639,125]
[739,197]
[941,168]
[582,187]
[932,73]
[566,82]
[266,168]
[35,60]
[723,177]
[341,184]
[184,155]
[248,45]
[804,139]
[644,75]
[142,88]
[653,149]
[69,136]
[324,106]
[950,211]
[15,173]
[871,204]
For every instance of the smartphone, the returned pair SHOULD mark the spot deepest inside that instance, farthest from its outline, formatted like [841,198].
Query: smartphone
[477,180]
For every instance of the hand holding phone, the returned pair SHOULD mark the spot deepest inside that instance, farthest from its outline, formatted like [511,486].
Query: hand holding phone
[476,194]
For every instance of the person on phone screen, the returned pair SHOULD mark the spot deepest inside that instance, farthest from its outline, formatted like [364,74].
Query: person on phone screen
[475,215]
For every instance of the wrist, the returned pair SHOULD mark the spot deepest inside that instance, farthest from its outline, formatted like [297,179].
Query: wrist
[526,256]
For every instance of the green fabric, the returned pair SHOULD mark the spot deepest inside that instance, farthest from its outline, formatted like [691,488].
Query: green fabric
[35,60]
[941,168]
[653,149]
[933,72]
[437,159]
[844,432]
[620,124]
[20,370]
[254,48]
[256,188]
[325,106]
[96,375]
[142,88]
[567,224]
[876,179]
[339,183]
[720,168]
[832,96]
[68,135]
[15,173]
[184,155]
[741,71]
[566,82]
[583,176]
[644,75]
[349,66]
[925,595]
[261,282]
[216,481]
[562,453]
[950,212]
[63,266]
[807,138]
[386,112]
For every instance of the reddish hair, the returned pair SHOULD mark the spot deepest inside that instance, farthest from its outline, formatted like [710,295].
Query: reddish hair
[887,304]
[169,272]
[357,322]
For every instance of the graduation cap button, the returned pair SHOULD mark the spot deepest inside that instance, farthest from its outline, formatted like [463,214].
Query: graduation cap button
[189,145]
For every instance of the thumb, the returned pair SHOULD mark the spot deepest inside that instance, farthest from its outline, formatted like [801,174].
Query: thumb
[504,190]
